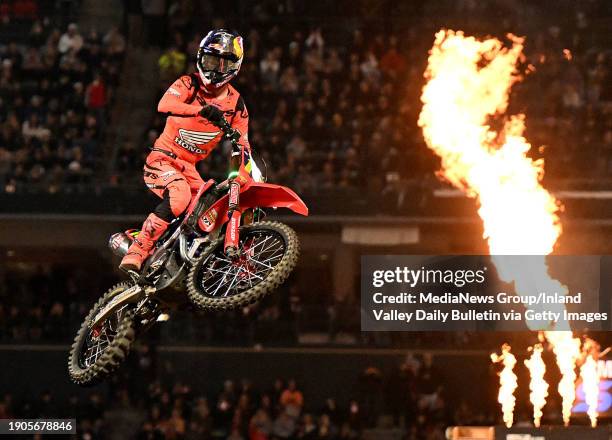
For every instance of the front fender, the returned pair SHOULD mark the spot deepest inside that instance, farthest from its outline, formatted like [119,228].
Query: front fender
[269,195]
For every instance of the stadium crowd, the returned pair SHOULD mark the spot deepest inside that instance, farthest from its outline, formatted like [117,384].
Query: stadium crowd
[56,88]
[46,303]
[157,405]
[333,107]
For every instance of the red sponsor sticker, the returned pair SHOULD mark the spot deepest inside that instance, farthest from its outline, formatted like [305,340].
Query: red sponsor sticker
[234,191]
[233,230]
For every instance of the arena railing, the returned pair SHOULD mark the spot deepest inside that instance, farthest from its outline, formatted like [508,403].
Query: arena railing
[582,199]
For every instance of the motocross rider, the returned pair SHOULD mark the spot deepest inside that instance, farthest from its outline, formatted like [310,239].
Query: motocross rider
[196,105]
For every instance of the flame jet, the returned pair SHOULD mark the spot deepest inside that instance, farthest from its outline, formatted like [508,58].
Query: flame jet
[468,82]
[589,374]
[537,385]
[508,383]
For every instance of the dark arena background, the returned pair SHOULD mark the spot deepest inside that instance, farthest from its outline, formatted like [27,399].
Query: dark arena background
[333,91]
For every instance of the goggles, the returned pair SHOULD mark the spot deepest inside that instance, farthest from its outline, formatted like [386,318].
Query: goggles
[214,63]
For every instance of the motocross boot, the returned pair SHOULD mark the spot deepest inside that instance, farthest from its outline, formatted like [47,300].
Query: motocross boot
[152,229]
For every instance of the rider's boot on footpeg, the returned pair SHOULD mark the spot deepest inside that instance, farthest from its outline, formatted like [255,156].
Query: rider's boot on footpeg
[152,229]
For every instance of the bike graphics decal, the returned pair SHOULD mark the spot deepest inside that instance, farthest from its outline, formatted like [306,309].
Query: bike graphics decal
[209,218]
[233,229]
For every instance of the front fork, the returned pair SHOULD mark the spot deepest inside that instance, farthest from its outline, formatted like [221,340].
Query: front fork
[232,233]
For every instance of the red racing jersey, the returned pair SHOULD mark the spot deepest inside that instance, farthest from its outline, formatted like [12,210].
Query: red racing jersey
[187,134]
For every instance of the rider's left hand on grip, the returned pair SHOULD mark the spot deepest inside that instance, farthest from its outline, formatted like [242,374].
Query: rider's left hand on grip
[213,114]
[233,135]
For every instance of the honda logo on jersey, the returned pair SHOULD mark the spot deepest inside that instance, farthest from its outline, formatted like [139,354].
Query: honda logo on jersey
[190,140]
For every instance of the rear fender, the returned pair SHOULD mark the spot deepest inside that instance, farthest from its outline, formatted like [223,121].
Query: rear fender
[131,295]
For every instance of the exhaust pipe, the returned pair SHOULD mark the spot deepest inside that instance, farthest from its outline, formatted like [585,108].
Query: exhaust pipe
[120,242]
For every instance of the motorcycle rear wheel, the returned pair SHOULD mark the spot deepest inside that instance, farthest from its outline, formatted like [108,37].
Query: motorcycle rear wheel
[97,353]
[269,253]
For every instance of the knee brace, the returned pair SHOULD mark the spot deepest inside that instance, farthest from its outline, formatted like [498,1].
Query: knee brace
[163,210]
[176,198]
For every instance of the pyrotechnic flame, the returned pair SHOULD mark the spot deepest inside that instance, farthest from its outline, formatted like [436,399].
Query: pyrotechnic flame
[537,384]
[589,374]
[468,82]
[519,215]
[567,352]
[590,384]
[508,383]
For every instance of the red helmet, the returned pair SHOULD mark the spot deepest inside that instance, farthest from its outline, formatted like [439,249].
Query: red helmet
[219,57]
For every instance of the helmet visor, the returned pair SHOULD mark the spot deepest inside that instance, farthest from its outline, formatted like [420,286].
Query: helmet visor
[214,63]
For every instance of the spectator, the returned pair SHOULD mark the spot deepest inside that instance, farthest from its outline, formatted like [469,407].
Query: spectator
[260,426]
[369,67]
[308,428]
[393,61]
[114,43]
[175,428]
[95,95]
[292,399]
[71,41]
[32,129]
[289,81]
[326,430]
[315,40]
[172,64]
[269,68]
[284,426]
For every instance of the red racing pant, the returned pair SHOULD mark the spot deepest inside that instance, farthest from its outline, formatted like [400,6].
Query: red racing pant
[174,180]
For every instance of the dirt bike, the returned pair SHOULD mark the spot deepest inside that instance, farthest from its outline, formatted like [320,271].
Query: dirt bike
[218,255]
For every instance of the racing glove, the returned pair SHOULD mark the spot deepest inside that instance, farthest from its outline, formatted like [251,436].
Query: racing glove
[213,114]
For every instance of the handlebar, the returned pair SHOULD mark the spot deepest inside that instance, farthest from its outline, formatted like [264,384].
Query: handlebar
[228,132]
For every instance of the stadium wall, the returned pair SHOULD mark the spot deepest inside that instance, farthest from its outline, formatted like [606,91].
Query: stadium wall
[320,373]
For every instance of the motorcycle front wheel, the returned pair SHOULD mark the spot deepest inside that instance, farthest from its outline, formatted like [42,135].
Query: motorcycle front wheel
[98,352]
[268,253]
